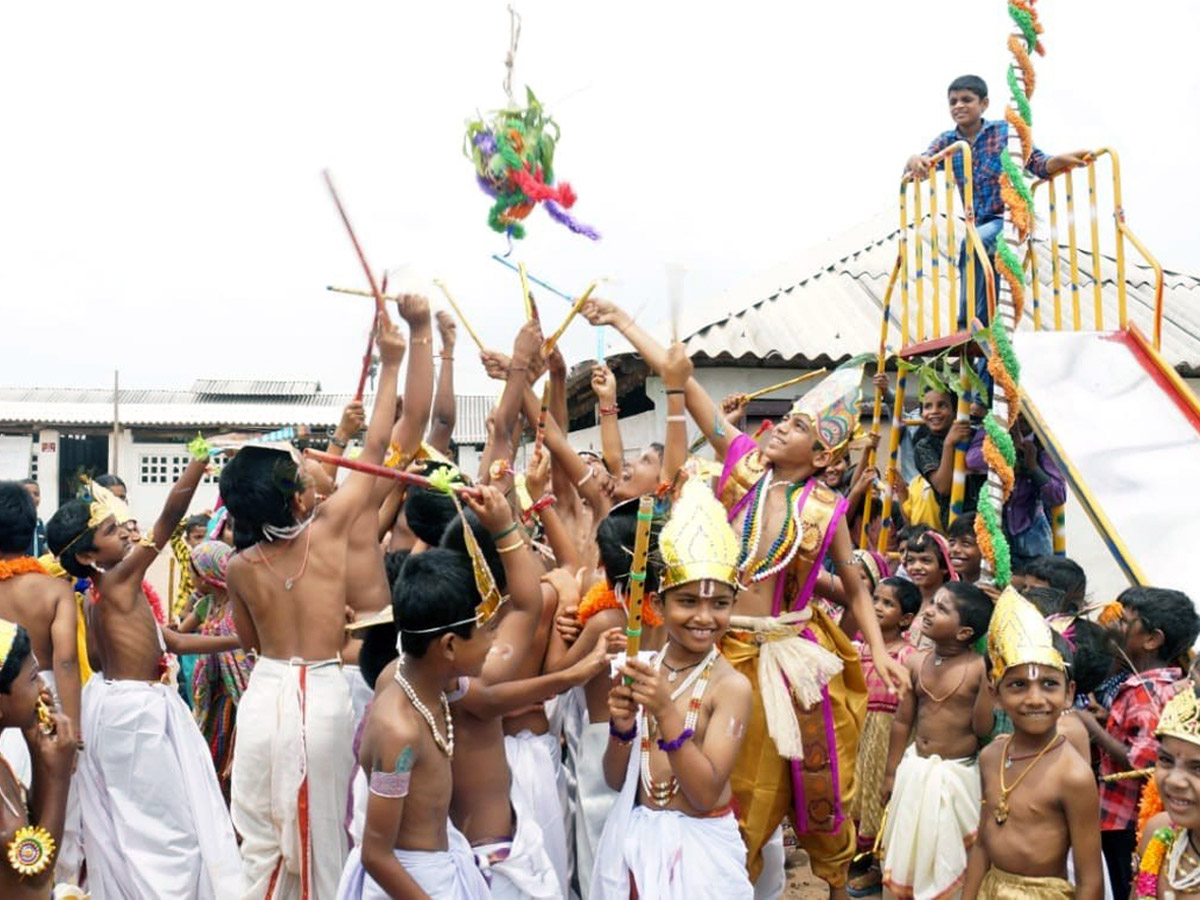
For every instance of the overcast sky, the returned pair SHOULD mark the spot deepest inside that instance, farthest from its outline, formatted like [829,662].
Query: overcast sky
[161,209]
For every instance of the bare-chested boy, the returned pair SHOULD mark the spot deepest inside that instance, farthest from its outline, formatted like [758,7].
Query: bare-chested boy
[410,848]
[367,588]
[288,588]
[31,823]
[933,784]
[145,774]
[677,728]
[1039,799]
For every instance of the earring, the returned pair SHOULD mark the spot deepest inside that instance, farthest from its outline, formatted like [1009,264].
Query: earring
[99,569]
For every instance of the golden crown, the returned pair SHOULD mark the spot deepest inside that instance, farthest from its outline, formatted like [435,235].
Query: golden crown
[1018,636]
[1181,717]
[8,634]
[696,543]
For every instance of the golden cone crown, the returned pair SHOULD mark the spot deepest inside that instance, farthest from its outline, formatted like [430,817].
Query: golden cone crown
[1181,717]
[1018,636]
[696,543]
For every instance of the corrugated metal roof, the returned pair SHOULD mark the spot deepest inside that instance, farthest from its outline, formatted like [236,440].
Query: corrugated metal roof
[159,408]
[820,311]
[254,387]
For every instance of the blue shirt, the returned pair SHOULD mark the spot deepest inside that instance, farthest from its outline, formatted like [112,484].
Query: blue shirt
[991,138]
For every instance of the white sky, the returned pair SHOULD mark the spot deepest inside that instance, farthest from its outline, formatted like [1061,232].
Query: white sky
[161,209]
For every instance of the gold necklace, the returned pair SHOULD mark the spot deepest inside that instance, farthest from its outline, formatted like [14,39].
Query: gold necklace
[1005,790]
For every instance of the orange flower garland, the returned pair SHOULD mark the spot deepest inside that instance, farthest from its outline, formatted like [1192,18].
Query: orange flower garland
[1149,806]
[601,597]
[22,565]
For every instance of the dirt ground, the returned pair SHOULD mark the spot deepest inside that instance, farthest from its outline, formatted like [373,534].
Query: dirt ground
[802,884]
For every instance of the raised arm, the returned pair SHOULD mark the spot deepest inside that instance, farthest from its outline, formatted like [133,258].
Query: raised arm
[557,537]
[133,567]
[350,499]
[676,374]
[445,409]
[700,405]
[418,382]
[352,421]
[860,603]
[519,624]
[604,384]
[575,468]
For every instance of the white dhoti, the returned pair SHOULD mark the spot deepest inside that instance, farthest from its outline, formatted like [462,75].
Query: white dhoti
[669,855]
[595,801]
[294,719]
[361,693]
[932,821]
[154,820]
[444,875]
[534,762]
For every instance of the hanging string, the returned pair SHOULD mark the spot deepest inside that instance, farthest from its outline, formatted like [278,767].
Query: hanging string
[514,38]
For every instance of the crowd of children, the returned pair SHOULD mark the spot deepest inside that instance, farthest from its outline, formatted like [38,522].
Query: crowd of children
[600,677]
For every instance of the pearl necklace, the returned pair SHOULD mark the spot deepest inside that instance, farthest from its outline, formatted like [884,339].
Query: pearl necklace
[1191,880]
[662,794]
[446,745]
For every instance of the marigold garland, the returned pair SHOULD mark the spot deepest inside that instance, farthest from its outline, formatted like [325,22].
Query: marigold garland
[1146,883]
[1023,131]
[22,565]
[1111,613]
[1149,806]
[1022,55]
[601,597]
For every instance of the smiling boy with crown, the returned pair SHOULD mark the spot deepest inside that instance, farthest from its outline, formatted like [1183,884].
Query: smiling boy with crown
[672,831]
[810,694]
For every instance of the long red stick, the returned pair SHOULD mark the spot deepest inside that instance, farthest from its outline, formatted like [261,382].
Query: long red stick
[342,462]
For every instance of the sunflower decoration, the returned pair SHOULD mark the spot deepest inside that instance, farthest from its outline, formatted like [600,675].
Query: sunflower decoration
[32,850]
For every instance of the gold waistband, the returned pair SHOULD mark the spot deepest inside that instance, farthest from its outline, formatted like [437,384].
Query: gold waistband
[760,629]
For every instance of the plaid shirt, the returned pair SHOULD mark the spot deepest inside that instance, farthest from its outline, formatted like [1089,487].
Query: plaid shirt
[1132,720]
[991,138]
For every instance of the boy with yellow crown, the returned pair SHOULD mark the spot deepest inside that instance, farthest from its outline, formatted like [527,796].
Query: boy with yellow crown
[1168,864]
[810,695]
[672,832]
[154,819]
[1039,800]
[31,823]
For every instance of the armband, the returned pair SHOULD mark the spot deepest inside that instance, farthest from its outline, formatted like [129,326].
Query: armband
[389,785]
[147,540]
[459,692]
[672,746]
[591,473]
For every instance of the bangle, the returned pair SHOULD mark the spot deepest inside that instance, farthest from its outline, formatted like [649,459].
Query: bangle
[624,737]
[512,548]
[672,746]
[505,533]
[677,419]
[337,442]
[609,410]
[424,340]
[545,502]
[671,391]
[591,473]
[445,357]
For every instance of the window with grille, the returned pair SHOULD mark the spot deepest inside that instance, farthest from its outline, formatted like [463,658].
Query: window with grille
[165,468]
[33,467]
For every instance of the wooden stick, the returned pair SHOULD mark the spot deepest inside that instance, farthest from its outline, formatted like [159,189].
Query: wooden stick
[541,422]
[342,462]
[441,286]
[358,292]
[170,581]
[548,344]
[637,579]
[762,392]
[530,308]
[337,201]
[1123,776]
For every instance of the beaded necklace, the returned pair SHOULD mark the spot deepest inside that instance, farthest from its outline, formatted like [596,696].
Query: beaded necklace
[662,793]
[446,745]
[784,548]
